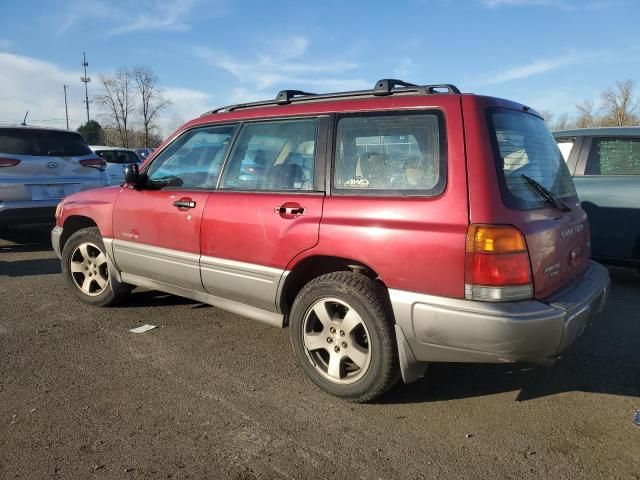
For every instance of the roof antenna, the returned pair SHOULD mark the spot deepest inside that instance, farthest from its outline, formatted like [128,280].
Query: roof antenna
[24,121]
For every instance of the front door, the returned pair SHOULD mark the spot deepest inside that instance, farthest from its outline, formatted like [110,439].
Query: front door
[266,210]
[157,228]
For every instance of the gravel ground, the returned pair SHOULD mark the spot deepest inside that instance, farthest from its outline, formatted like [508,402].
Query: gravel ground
[213,395]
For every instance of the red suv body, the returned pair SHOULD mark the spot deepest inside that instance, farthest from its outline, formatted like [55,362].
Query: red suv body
[390,228]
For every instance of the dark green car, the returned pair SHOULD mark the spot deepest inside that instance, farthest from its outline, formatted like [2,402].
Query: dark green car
[605,163]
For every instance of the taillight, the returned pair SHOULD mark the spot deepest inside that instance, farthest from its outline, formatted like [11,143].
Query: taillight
[98,163]
[497,264]
[8,162]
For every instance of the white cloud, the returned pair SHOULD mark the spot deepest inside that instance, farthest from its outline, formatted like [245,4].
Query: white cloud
[125,16]
[405,68]
[37,86]
[186,104]
[538,67]
[281,67]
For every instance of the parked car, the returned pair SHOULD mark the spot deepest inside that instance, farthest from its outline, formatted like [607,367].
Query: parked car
[143,153]
[38,167]
[117,158]
[370,232]
[605,164]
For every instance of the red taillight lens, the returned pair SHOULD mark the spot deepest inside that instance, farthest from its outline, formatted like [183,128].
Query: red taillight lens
[497,264]
[499,269]
[8,162]
[94,163]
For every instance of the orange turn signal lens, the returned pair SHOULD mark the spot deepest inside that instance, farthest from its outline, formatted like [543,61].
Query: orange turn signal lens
[495,239]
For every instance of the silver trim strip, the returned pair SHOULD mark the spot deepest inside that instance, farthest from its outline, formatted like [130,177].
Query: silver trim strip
[163,264]
[247,283]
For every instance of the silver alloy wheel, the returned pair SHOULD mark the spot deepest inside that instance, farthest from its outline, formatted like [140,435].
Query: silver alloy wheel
[89,269]
[336,341]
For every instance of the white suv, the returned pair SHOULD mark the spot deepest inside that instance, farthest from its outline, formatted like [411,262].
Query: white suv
[40,166]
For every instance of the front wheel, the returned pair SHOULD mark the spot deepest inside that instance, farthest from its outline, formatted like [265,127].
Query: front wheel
[86,270]
[342,335]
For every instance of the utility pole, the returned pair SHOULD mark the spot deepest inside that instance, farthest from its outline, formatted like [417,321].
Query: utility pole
[85,79]
[66,110]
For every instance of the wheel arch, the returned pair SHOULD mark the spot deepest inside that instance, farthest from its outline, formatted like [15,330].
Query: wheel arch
[72,224]
[315,266]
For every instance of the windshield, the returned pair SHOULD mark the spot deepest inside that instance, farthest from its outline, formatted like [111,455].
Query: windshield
[42,143]
[525,148]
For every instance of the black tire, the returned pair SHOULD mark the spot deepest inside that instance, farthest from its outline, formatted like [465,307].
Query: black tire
[112,291]
[369,300]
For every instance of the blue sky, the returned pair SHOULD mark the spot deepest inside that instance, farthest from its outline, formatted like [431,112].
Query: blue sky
[549,54]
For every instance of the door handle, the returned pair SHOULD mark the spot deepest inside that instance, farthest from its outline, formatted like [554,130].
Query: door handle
[184,203]
[289,210]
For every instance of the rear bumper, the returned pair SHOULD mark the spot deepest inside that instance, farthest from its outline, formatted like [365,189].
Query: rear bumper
[439,329]
[27,212]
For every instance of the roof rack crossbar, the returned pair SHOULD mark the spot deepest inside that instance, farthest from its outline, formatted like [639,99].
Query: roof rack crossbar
[386,86]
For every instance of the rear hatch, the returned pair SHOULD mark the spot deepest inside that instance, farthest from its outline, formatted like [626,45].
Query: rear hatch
[535,185]
[45,164]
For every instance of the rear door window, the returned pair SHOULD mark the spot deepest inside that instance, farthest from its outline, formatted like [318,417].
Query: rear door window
[273,156]
[42,143]
[614,156]
[390,154]
[524,147]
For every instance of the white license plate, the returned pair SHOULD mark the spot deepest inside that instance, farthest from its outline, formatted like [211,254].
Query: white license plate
[47,192]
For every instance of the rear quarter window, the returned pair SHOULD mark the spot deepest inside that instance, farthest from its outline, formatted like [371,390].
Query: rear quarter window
[616,156]
[523,146]
[390,154]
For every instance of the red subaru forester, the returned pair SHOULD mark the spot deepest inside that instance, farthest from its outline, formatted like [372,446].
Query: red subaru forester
[388,228]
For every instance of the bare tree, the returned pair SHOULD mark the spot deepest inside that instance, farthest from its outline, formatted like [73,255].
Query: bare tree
[562,122]
[151,98]
[547,116]
[619,104]
[117,100]
[586,117]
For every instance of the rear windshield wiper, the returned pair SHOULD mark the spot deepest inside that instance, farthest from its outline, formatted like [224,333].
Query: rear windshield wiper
[549,196]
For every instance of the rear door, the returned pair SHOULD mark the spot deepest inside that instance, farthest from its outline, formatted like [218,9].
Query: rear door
[608,184]
[45,165]
[266,210]
[157,228]
[558,240]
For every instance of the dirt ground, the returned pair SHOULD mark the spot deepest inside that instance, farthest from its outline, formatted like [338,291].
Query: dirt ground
[213,395]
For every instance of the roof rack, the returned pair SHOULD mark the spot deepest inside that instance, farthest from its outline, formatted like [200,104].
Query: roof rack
[384,87]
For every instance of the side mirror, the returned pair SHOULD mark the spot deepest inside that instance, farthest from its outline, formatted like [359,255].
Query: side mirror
[132,175]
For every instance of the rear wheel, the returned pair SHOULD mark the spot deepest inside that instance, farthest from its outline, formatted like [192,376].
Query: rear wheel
[86,269]
[342,335]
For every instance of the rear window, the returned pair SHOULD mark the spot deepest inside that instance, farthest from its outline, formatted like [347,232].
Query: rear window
[42,143]
[524,147]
